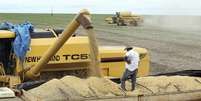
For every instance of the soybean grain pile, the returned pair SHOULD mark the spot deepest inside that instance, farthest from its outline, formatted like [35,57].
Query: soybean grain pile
[172,41]
[164,84]
[73,88]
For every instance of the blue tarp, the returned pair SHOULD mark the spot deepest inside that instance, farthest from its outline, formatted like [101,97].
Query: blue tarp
[22,39]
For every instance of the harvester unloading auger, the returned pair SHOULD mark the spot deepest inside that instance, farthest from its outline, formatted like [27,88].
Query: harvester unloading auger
[83,18]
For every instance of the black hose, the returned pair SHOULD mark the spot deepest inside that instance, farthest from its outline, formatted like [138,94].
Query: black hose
[29,85]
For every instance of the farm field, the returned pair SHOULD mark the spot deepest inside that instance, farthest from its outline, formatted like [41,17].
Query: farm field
[174,42]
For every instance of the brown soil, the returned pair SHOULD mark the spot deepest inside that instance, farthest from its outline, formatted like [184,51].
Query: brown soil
[172,41]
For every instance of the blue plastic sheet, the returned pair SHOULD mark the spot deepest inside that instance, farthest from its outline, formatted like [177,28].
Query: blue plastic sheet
[22,39]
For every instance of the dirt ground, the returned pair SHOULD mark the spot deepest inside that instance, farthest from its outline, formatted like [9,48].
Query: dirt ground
[172,41]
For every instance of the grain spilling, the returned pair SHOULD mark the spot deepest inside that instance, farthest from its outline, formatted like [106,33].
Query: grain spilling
[70,87]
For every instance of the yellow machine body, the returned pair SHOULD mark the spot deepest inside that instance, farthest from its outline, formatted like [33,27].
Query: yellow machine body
[74,55]
[109,20]
[124,18]
[125,14]
[6,34]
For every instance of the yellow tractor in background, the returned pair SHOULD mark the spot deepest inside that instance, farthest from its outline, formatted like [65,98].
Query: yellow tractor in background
[124,19]
[54,56]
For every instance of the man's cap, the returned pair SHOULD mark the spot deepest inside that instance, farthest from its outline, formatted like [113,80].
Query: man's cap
[128,48]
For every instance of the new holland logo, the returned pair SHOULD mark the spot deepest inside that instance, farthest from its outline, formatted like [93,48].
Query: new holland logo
[58,57]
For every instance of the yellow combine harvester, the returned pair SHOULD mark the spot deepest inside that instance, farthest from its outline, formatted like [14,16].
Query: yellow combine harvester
[51,57]
[124,18]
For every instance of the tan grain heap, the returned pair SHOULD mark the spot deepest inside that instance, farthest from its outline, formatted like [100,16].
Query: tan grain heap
[163,84]
[104,87]
[79,85]
[72,88]
[54,90]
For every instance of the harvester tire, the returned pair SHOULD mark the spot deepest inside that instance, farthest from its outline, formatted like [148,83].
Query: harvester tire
[118,24]
[135,23]
[114,20]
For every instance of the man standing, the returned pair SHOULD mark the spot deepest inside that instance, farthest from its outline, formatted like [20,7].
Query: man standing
[132,61]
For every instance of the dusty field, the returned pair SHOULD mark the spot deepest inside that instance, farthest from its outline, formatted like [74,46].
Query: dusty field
[172,41]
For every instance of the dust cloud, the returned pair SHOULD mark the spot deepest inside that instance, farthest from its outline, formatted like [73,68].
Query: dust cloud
[174,22]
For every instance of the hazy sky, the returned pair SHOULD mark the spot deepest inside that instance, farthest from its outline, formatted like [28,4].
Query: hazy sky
[173,7]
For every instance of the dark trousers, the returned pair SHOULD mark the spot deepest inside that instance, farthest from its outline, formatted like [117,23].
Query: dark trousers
[129,75]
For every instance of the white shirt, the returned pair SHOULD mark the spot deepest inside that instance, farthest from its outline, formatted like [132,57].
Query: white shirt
[133,56]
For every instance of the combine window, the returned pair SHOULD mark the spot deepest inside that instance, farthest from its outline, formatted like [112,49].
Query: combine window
[6,55]
[46,34]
